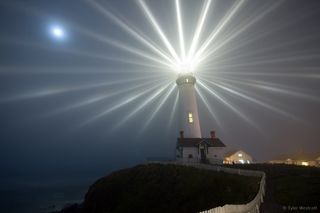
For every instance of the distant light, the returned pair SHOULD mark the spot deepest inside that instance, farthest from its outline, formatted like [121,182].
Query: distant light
[304,163]
[241,161]
[240,155]
[248,162]
[57,32]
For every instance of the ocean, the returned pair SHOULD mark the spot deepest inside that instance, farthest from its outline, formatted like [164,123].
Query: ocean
[41,196]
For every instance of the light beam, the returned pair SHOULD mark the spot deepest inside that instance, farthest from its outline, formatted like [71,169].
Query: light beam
[253,100]
[141,38]
[156,26]
[159,105]
[229,105]
[141,106]
[200,24]
[122,103]
[243,28]
[235,8]
[173,111]
[180,29]
[210,109]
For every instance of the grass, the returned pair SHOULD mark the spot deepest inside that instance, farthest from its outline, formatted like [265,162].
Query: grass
[168,188]
[297,190]
[291,185]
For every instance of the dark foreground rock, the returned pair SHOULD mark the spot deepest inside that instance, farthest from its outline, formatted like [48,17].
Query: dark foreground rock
[165,188]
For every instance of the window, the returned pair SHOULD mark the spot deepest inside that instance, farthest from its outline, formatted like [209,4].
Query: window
[241,161]
[190,117]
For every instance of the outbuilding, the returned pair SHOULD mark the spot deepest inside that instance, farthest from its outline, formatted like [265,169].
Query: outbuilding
[237,157]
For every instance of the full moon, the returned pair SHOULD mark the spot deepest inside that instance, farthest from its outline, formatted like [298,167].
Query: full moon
[57,32]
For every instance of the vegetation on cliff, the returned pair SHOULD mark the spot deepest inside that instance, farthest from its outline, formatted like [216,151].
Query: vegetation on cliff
[167,188]
[290,185]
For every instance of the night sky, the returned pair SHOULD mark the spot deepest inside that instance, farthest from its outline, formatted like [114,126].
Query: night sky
[90,100]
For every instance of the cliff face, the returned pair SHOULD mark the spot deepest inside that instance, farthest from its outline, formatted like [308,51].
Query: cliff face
[74,208]
[167,188]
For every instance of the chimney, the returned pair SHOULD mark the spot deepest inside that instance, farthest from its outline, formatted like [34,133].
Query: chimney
[181,134]
[213,134]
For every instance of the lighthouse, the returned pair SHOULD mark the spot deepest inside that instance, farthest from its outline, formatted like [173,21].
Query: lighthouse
[189,118]
[191,146]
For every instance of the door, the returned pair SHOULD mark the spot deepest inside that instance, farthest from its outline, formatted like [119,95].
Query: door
[202,154]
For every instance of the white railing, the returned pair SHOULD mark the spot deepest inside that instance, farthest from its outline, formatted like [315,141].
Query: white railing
[251,207]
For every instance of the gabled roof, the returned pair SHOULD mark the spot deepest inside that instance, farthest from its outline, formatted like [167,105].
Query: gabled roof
[229,153]
[194,142]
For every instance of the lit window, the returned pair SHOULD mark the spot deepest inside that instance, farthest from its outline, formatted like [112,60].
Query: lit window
[190,117]
[304,163]
[240,155]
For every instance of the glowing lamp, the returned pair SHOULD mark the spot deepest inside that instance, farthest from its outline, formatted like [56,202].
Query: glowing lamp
[185,67]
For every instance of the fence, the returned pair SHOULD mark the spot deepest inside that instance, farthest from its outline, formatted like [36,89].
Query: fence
[251,207]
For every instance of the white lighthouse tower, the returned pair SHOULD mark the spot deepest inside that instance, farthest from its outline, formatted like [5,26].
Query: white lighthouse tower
[191,146]
[189,118]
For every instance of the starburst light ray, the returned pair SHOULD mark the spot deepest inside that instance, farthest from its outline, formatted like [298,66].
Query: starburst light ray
[214,93]
[221,55]
[198,30]
[215,53]
[236,7]
[98,37]
[129,29]
[253,100]
[277,60]
[141,106]
[267,86]
[241,29]
[128,99]
[209,108]
[122,46]
[278,73]
[72,51]
[156,26]
[156,110]
[174,110]
[180,29]
[45,92]
[102,97]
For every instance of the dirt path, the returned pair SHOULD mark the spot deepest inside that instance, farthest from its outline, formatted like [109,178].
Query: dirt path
[269,205]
